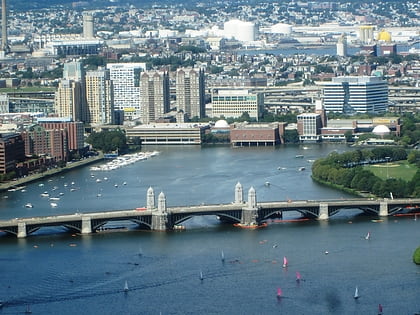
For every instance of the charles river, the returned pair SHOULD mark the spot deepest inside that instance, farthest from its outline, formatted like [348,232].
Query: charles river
[56,272]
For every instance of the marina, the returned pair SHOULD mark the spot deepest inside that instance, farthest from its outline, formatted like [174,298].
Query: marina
[123,160]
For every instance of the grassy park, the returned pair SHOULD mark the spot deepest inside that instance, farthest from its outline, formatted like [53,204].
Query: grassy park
[398,169]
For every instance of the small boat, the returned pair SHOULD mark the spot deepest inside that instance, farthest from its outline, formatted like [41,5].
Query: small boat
[356,293]
[53,204]
[54,198]
[302,169]
[267,184]
[299,156]
[223,256]
[125,183]
[367,237]
[45,194]
[201,276]
[298,276]
[279,293]
[380,309]
[29,205]
[126,286]
[285,262]
[98,180]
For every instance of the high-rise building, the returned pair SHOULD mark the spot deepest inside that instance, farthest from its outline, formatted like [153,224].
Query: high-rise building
[154,95]
[68,100]
[73,71]
[356,94]
[88,31]
[342,46]
[190,92]
[99,97]
[125,79]
[233,103]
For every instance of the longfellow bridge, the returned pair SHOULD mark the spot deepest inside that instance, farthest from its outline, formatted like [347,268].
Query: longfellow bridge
[248,212]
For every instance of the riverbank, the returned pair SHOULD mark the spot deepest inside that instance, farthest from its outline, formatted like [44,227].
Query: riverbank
[31,178]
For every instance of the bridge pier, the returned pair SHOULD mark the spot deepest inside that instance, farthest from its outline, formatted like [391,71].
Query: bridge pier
[160,216]
[22,233]
[86,225]
[323,211]
[383,209]
[250,212]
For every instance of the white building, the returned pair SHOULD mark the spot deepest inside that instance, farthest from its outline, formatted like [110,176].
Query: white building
[356,94]
[125,78]
[239,30]
[4,103]
[342,46]
[232,103]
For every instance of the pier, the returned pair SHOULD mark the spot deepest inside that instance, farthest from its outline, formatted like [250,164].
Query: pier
[157,216]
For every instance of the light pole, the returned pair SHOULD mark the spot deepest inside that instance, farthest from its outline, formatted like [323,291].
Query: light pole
[387,164]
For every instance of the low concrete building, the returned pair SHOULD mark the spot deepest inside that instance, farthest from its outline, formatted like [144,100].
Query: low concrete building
[245,134]
[168,133]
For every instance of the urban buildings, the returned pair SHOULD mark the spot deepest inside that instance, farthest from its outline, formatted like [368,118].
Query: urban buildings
[126,87]
[356,94]
[246,134]
[154,96]
[99,97]
[233,103]
[12,151]
[68,100]
[190,92]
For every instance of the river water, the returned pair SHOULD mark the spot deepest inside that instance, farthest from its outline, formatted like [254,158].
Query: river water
[56,272]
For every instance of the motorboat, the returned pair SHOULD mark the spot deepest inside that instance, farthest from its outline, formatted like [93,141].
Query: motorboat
[29,205]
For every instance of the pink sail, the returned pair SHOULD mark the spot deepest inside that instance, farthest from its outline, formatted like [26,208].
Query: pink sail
[285,261]
[279,293]
[380,308]
[298,277]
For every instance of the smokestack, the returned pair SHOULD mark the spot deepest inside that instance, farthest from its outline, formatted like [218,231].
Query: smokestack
[3,26]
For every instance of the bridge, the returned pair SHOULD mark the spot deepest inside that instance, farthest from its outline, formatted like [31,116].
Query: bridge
[247,213]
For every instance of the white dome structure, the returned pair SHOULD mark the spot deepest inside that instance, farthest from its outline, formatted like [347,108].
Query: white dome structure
[242,31]
[381,130]
[281,28]
[221,124]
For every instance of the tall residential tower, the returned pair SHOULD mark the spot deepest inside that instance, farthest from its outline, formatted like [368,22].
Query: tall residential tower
[190,92]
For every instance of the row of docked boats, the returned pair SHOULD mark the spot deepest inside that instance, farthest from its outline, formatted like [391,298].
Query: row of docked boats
[124,160]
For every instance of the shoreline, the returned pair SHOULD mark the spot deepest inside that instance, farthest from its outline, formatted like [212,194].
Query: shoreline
[32,178]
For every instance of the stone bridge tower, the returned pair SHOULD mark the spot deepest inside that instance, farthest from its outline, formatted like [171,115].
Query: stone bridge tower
[160,215]
[250,211]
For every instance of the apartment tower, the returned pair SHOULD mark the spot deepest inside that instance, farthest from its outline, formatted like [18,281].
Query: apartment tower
[154,96]
[190,91]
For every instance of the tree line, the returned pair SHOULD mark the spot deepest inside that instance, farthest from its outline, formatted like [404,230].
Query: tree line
[346,171]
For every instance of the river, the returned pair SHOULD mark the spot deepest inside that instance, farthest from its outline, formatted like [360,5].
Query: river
[56,272]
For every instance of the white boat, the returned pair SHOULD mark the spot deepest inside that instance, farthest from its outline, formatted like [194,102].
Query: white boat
[54,198]
[98,180]
[367,237]
[356,293]
[45,194]
[53,204]
[29,205]
[201,276]
[126,286]
[302,168]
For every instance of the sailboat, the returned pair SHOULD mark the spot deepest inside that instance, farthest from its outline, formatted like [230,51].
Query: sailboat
[279,293]
[380,309]
[223,256]
[28,309]
[201,276]
[285,263]
[367,237]
[126,286]
[356,293]
[298,277]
